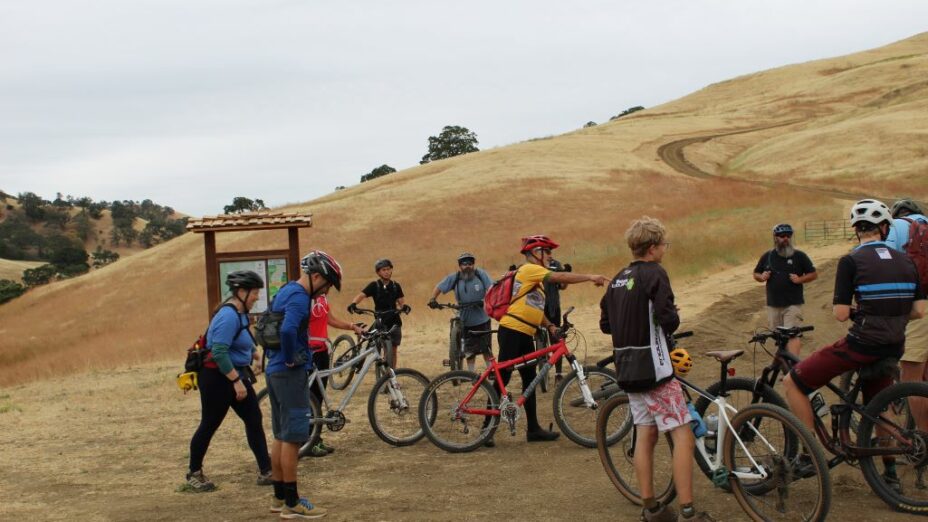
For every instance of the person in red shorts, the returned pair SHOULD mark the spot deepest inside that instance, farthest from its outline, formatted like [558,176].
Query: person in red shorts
[884,285]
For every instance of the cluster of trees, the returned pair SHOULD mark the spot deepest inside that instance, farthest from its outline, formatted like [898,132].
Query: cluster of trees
[627,111]
[453,140]
[242,204]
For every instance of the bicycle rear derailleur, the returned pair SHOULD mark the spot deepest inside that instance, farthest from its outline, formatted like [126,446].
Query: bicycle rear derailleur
[510,412]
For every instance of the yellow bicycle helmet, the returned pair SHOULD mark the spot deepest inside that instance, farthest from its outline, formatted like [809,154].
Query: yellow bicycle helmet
[682,362]
[187,381]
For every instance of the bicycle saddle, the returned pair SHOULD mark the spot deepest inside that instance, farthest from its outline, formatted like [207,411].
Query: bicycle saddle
[725,356]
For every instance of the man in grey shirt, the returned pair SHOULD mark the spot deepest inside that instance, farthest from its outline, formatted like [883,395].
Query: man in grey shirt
[469,285]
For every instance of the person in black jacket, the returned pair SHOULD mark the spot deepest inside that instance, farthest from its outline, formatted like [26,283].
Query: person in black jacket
[639,312]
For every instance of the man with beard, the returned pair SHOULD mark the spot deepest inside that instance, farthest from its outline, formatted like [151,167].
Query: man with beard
[469,285]
[784,269]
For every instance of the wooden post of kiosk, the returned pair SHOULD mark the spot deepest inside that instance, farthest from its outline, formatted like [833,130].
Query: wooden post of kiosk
[210,225]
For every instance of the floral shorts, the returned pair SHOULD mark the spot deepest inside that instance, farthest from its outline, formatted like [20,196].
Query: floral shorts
[664,407]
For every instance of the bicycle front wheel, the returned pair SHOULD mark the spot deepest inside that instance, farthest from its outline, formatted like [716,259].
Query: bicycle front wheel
[441,414]
[779,472]
[616,441]
[574,416]
[887,422]
[455,356]
[343,350]
[392,407]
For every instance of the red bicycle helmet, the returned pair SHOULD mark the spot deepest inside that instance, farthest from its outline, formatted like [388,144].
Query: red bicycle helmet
[537,241]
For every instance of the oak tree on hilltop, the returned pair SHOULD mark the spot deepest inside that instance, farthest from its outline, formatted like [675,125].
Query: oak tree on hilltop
[382,170]
[242,204]
[452,141]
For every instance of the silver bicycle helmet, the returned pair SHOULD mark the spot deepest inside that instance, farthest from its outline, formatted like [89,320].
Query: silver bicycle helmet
[869,211]
[382,263]
[905,204]
[318,262]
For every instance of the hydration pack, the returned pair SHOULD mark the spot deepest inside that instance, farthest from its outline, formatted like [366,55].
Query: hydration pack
[917,249]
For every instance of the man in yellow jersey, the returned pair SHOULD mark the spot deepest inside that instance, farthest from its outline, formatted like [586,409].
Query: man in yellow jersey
[527,313]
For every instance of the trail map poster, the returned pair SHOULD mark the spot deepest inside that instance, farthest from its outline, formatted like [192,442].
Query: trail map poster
[272,271]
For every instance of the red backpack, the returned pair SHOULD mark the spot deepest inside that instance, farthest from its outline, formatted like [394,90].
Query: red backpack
[499,296]
[917,249]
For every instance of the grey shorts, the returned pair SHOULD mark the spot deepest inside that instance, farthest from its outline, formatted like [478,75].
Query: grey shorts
[478,344]
[788,316]
[290,410]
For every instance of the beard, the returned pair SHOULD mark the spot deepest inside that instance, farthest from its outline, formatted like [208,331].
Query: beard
[467,273]
[784,250]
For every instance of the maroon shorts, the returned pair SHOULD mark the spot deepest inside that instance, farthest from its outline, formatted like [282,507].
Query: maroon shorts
[830,361]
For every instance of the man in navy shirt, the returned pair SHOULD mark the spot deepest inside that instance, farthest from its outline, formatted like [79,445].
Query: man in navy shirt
[287,380]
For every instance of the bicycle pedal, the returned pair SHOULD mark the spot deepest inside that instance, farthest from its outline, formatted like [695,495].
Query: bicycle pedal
[720,477]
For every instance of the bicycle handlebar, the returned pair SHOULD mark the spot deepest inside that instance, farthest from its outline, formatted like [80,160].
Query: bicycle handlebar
[781,334]
[458,306]
[375,313]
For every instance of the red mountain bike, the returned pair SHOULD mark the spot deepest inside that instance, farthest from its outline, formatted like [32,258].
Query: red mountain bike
[469,408]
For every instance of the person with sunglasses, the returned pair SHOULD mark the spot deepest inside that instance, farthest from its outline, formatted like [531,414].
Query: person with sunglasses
[526,314]
[469,285]
[784,270]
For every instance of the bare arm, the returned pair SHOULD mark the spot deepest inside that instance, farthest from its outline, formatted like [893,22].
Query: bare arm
[804,278]
[842,312]
[761,277]
[918,309]
[358,298]
[569,278]
[343,325]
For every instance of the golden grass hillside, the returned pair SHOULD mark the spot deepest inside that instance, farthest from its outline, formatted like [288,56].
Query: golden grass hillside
[13,270]
[582,188]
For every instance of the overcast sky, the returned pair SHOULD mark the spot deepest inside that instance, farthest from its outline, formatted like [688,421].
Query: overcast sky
[192,102]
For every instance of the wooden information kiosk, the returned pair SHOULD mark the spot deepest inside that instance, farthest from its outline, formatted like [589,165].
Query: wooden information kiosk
[276,267]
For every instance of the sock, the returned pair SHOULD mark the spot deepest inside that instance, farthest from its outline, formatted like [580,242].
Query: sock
[471,364]
[890,467]
[279,489]
[291,497]
[650,504]
[687,510]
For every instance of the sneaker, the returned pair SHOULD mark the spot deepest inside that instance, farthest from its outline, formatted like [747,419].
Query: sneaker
[199,483]
[303,509]
[700,516]
[318,450]
[277,504]
[264,479]
[328,449]
[490,443]
[541,435]
[664,513]
[803,467]
[892,480]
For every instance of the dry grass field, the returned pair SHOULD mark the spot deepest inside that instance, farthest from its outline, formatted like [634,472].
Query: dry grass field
[94,428]
[13,270]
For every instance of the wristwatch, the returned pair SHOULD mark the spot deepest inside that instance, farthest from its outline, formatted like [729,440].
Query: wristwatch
[236,379]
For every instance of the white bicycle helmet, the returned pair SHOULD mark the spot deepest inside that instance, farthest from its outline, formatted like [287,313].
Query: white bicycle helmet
[870,211]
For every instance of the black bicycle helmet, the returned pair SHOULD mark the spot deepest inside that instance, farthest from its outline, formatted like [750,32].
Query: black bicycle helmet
[246,279]
[466,256]
[783,228]
[318,262]
[905,204]
[382,263]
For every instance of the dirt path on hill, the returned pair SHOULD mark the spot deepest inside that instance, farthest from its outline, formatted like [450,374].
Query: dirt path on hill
[113,445]
[672,154]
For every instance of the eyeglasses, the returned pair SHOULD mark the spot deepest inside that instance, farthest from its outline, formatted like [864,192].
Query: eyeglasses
[666,244]
[781,236]
[466,263]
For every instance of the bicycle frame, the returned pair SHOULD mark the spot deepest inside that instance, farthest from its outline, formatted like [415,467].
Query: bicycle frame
[554,352]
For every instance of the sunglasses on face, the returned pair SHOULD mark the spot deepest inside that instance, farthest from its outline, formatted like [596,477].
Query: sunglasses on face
[784,235]
[466,263]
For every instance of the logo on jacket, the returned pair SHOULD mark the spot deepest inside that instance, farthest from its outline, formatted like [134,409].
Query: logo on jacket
[627,282]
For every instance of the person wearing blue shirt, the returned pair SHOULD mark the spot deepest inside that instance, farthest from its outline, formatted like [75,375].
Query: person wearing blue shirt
[469,285]
[912,365]
[226,380]
[287,380]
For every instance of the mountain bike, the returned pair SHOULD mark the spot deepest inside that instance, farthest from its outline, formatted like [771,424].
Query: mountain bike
[770,461]
[456,357]
[469,408]
[886,430]
[345,348]
[391,407]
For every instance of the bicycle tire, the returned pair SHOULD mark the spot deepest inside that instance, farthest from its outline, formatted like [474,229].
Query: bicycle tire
[315,421]
[573,417]
[343,349]
[443,395]
[892,404]
[404,430]
[455,355]
[616,456]
[767,395]
[804,497]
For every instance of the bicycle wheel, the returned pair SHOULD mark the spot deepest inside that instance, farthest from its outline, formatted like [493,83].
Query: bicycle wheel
[315,420]
[343,349]
[887,422]
[740,395]
[442,420]
[573,416]
[617,455]
[797,485]
[455,357]
[392,409]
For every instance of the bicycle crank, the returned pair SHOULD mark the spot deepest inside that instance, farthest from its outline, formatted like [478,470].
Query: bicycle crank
[510,412]
[335,420]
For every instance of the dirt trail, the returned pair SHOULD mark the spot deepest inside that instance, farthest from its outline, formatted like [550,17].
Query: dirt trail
[113,445]
[672,154]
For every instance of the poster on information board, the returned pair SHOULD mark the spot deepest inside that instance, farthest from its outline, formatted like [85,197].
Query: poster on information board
[272,271]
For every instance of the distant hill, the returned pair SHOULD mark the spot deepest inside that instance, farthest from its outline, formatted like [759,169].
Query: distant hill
[719,167]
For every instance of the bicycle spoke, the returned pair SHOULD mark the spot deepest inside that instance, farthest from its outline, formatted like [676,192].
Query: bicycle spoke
[453,429]
[394,414]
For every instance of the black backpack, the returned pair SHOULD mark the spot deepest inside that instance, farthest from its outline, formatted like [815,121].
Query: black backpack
[199,356]
[267,328]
